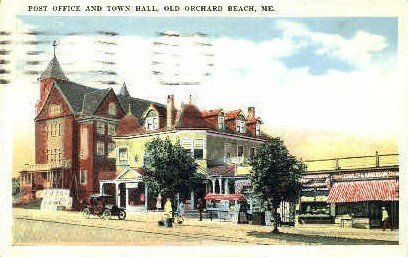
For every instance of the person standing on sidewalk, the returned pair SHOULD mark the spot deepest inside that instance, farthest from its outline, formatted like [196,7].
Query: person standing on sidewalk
[385,219]
[168,212]
[200,207]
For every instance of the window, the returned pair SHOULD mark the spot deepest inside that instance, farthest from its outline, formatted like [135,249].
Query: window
[240,124]
[186,144]
[152,120]
[194,147]
[123,156]
[100,148]
[111,129]
[112,109]
[100,128]
[83,176]
[55,109]
[221,122]
[240,151]
[198,149]
[227,151]
[257,129]
[111,147]
[251,153]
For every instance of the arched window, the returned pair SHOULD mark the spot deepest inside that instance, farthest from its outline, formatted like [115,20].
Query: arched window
[258,129]
[112,109]
[240,124]
[152,120]
[221,121]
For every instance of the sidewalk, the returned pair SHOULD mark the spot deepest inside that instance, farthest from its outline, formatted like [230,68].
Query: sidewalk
[193,231]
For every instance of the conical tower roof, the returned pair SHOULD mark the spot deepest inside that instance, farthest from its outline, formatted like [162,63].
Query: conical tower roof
[53,71]
[124,91]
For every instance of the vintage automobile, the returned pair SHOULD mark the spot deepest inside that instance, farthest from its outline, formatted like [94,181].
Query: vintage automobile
[101,205]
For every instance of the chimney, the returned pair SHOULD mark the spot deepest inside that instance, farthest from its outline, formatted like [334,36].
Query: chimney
[170,111]
[251,112]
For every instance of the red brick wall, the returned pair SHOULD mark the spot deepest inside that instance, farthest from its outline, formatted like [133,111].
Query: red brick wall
[104,107]
[41,138]
[45,88]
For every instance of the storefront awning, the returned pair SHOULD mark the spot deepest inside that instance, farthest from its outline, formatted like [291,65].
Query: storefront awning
[229,197]
[363,191]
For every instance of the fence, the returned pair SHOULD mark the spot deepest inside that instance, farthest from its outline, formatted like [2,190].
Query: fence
[354,162]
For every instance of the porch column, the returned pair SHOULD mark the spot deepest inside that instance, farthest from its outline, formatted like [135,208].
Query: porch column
[213,186]
[101,187]
[226,187]
[126,196]
[220,183]
[146,197]
[192,200]
[117,194]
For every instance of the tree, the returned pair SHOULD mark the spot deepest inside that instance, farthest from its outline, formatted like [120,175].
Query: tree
[169,170]
[275,176]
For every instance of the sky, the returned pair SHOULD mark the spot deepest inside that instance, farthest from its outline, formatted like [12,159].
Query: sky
[327,86]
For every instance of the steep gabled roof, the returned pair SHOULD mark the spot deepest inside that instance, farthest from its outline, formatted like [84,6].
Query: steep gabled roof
[233,114]
[137,106]
[53,70]
[191,117]
[75,93]
[129,125]
[92,100]
[209,113]
[251,120]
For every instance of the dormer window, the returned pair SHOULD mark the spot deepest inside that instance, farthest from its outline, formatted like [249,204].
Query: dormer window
[240,124]
[221,122]
[112,109]
[257,129]
[152,120]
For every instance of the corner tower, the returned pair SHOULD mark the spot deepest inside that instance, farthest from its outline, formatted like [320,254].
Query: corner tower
[53,73]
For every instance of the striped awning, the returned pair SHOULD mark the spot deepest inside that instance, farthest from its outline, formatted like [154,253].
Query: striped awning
[229,197]
[363,191]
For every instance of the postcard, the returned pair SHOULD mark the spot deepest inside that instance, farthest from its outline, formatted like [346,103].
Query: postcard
[205,128]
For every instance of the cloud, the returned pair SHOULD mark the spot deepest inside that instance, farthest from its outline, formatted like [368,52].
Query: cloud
[357,51]
[361,101]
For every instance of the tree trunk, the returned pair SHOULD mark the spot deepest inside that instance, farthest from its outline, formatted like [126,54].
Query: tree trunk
[275,220]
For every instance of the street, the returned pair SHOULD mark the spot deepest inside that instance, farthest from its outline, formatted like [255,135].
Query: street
[35,227]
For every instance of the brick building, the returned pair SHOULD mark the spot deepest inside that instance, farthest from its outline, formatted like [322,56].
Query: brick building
[74,125]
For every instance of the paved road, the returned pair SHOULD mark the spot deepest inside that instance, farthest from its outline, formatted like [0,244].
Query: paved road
[34,227]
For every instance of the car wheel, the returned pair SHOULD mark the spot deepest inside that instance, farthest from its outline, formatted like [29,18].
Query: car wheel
[106,214]
[86,213]
[122,215]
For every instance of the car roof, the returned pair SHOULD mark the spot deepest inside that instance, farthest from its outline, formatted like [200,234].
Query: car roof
[99,195]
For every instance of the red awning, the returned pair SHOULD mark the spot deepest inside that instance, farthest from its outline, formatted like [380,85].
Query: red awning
[363,191]
[230,197]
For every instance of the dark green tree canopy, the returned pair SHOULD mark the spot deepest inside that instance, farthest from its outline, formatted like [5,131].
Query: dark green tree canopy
[275,176]
[276,173]
[169,170]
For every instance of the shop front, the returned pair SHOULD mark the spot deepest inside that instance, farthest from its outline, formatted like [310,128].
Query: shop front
[129,190]
[360,202]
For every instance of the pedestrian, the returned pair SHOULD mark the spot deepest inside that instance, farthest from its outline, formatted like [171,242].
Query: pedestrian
[159,202]
[385,219]
[181,209]
[168,211]
[200,207]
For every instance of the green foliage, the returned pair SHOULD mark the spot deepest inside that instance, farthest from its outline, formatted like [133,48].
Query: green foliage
[169,170]
[275,173]
[15,186]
